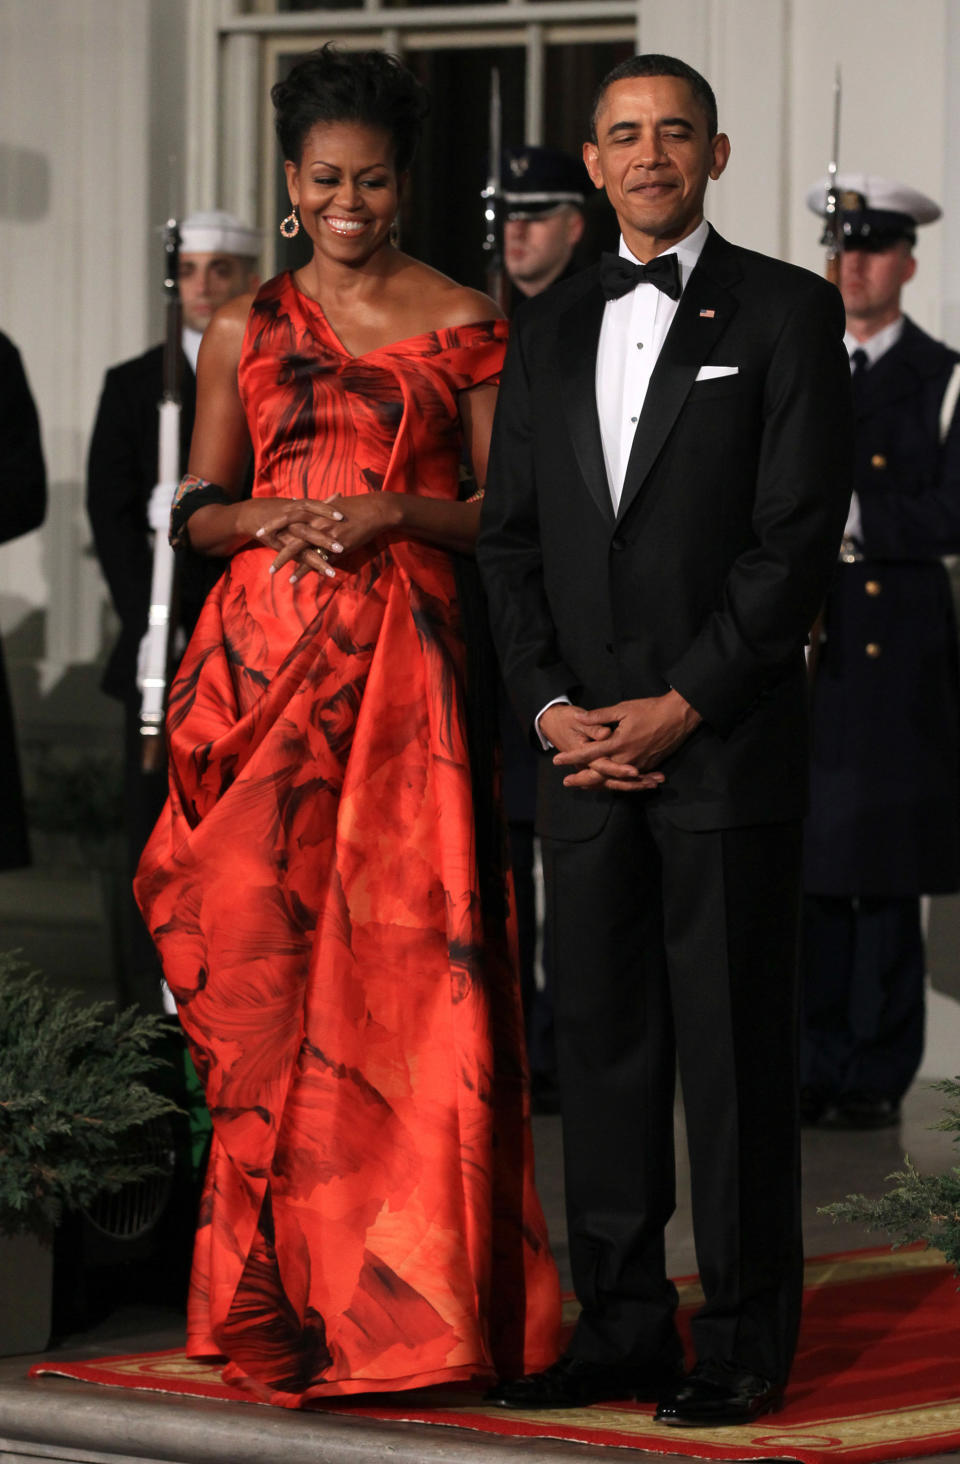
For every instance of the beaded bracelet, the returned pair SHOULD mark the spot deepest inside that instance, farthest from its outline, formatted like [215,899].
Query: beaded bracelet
[192,493]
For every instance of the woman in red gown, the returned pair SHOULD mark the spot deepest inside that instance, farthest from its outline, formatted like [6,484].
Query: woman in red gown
[344,979]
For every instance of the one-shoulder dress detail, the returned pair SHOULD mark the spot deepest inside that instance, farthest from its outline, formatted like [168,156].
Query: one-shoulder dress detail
[369,1220]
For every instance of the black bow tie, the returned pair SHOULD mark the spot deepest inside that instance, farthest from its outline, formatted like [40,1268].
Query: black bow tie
[618,276]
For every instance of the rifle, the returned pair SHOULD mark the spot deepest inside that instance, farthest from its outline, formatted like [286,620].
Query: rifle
[832,237]
[156,668]
[832,240]
[492,197]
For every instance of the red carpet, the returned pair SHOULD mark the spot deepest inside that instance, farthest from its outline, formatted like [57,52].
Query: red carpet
[877,1376]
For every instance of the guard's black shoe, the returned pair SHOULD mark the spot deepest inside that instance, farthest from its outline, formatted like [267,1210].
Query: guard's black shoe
[717,1393]
[544,1093]
[573,1382]
[817,1107]
[865,1111]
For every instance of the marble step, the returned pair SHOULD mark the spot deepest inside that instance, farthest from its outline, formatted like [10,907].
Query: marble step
[59,1421]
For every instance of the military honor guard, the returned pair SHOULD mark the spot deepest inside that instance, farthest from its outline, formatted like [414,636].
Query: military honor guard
[543,192]
[23,503]
[542,198]
[884,822]
[217,261]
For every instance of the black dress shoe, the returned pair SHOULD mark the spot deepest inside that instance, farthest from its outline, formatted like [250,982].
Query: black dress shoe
[817,1107]
[865,1111]
[573,1382]
[717,1393]
[544,1093]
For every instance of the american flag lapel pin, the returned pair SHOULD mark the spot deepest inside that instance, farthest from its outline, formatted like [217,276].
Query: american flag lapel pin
[707,314]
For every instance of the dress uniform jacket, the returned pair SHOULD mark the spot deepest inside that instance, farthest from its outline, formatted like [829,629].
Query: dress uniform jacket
[885,786]
[121,474]
[23,502]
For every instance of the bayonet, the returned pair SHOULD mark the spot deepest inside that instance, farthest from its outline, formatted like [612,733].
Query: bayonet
[832,213]
[492,199]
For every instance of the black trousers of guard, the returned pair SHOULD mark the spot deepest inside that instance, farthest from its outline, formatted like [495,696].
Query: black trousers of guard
[678,949]
[863,995]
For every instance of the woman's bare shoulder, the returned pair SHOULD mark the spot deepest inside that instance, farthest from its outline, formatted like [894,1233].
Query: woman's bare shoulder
[448,303]
[223,337]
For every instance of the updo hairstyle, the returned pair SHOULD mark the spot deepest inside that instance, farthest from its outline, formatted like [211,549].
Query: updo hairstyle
[370,87]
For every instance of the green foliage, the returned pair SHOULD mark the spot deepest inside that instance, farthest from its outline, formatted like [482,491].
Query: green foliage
[918,1207]
[72,1093]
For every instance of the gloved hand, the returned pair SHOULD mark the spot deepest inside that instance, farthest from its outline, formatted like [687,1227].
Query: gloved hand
[159,505]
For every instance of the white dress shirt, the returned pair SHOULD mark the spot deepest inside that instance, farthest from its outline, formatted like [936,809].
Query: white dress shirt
[631,337]
[190,340]
[875,346]
[632,334]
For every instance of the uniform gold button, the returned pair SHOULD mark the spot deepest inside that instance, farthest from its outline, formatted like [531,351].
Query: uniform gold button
[873,587]
[878,460]
[873,650]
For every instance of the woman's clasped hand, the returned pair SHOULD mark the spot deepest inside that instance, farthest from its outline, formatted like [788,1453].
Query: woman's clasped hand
[306,532]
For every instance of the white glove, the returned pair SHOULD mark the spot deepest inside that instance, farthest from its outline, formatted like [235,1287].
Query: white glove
[159,506]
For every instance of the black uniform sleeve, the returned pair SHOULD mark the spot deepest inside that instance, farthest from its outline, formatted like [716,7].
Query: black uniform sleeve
[115,501]
[23,477]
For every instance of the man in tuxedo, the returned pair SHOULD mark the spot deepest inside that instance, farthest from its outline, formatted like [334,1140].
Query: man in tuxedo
[124,503]
[668,483]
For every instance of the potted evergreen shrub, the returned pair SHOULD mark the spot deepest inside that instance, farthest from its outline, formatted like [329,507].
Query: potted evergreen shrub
[918,1206]
[72,1096]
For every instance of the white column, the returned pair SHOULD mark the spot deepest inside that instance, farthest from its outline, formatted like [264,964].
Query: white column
[73,241]
[239,133]
[950,172]
[203,80]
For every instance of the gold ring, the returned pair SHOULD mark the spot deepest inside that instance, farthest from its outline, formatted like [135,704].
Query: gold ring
[323,555]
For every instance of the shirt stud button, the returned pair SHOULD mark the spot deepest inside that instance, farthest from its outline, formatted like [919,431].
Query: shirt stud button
[633,419]
[639,345]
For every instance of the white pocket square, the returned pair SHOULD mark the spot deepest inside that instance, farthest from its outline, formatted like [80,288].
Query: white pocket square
[710,373]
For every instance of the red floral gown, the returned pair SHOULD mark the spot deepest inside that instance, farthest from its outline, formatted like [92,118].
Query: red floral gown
[369,1219]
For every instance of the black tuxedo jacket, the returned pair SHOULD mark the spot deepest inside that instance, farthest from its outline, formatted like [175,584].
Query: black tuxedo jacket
[121,475]
[712,571]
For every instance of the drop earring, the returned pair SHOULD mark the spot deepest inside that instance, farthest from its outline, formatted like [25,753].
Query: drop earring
[290,226]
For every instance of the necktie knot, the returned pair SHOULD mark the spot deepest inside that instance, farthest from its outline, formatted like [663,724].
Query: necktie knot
[859,361]
[618,276]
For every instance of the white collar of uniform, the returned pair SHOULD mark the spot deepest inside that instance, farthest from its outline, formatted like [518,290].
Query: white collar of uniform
[688,251]
[876,345]
[190,340]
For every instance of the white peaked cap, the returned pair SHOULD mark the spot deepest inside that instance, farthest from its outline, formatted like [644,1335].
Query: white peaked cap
[879,193]
[218,232]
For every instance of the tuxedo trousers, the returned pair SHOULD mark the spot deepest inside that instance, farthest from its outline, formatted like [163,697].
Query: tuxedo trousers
[677,950]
